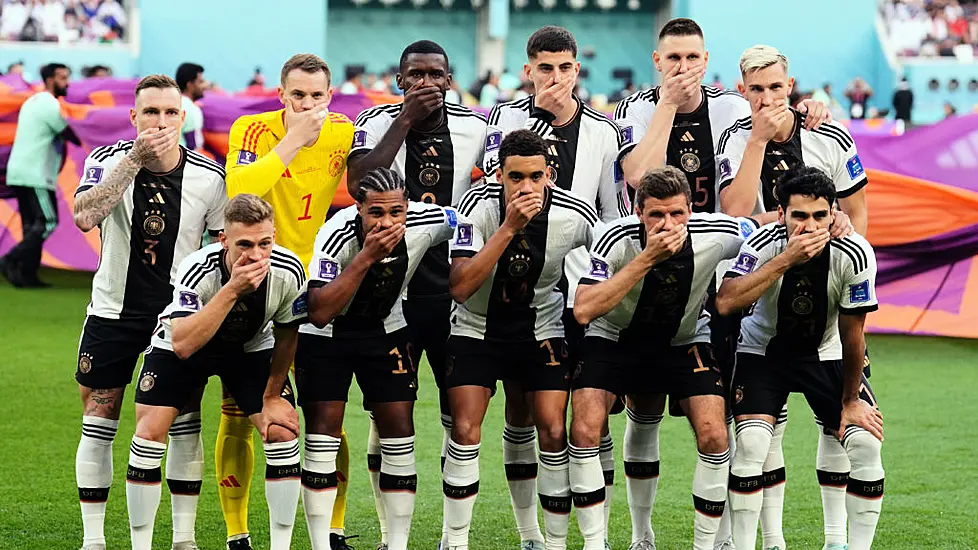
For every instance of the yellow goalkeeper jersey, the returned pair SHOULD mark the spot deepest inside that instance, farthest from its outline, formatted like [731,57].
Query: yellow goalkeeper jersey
[301,192]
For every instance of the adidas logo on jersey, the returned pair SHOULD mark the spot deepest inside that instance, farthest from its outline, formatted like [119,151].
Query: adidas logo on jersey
[781,166]
[687,137]
[157,199]
[430,152]
[962,153]
[240,307]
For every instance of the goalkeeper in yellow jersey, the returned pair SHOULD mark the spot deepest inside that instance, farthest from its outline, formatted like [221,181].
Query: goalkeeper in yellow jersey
[294,159]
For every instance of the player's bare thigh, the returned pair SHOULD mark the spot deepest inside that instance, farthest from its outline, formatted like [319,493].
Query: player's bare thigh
[103,403]
[707,416]
[153,422]
[324,417]
[518,411]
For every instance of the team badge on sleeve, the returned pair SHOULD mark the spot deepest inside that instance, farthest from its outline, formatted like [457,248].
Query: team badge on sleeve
[855,167]
[724,171]
[359,138]
[451,216]
[94,174]
[493,141]
[189,300]
[626,134]
[859,293]
[328,269]
[599,269]
[463,236]
[745,263]
[246,157]
[746,228]
[300,306]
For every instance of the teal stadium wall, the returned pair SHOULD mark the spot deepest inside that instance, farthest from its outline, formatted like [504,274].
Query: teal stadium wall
[826,41]
[375,37]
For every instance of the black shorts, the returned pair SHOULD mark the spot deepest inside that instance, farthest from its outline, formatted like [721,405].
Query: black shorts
[167,381]
[325,366]
[574,336]
[536,366]
[109,349]
[428,321]
[762,385]
[680,371]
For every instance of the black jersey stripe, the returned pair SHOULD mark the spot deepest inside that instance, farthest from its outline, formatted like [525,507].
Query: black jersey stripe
[210,259]
[589,216]
[422,223]
[741,124]
[833,136]
[288,258]
[714,230]
[300,275]
[349,228]
[600,117]
[833,130]
[609,239]
[427,214]
[372,112]
[478,194]
[855,252]
[458,110]
[713,223]
[204,162]
[210,167]
[645,95]
[200,274]
[518,105]
[570,201]
[340,240]
[112,150]
[766,237]
[850,254]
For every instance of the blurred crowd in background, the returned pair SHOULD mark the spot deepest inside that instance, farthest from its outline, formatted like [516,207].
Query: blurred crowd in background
[63,21]
[932,28]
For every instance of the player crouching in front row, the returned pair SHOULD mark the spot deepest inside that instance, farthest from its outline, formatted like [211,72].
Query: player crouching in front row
[809,297]
[362,262]
[224,296]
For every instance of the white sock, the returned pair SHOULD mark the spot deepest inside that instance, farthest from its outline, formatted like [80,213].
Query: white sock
[282,487]
[553,486]
[709,497]
[319,486]
[93,474]
[446,426]
[772,510]
[588,492]
[460,484]
[184,474]
[143,488]
[864,496]
[398,486]
[520,459]
[373,466]
[832,469]
[746,496]
[725,530]
[641,456]
[607,455]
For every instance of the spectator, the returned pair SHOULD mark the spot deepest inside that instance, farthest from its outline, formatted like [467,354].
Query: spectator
[51,14]
[717,83]
[13,19]
[190,79]
[382,84]
[96,71]
[32,173]
[859,94]
[489,93]
[17,67]
[353,84]
[257,79]
[949,110]
[824,95]
[454,94]
[903,102]
[628,90]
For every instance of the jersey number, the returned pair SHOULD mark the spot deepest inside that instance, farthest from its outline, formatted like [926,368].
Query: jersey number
[308,201]
[700,189]
[695,352]
[550,349]
[150,245]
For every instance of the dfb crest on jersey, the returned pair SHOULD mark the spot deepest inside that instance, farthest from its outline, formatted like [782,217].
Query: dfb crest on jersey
[802,305]
[147,382]
[519,265]
[84,363]
[690,161]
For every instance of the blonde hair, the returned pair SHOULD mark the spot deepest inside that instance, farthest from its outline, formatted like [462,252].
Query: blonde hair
[761,57]
[248,209]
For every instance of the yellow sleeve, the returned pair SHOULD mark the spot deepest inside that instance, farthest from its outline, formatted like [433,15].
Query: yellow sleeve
[251,166]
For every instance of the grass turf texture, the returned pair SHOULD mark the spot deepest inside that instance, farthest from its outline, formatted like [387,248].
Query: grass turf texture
[926,388]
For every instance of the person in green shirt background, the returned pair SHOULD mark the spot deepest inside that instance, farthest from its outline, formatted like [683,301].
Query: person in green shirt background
[32,173]
[190,78]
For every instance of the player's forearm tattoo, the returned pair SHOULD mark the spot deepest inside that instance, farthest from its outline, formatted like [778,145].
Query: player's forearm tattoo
[93,206]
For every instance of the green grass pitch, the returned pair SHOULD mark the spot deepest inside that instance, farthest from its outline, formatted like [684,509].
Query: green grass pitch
[926,388]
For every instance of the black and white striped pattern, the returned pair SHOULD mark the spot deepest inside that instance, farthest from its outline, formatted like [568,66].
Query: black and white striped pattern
[559,458]
[850,431]
[742,125]
[288,262]
[718,459]
[187,424]
[837,133]
[200,269]
[582,453]
[282,454]
[489,191]
[396,449]
[783,415]
[640,418]
[607,444]
[855,253]
[201,161]
[102,153]
[318,445]
[519,436]
[430,216]
[99,431]
[147,452]
[757,423]
[462,453]
[767,235]
[332,245]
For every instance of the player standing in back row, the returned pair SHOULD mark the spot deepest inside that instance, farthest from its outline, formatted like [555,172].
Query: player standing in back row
[152,201]
[434,147]
[582,148]
[294,159]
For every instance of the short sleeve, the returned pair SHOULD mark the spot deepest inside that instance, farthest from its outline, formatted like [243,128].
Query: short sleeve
[189,294]
[610,201]
[95,170]
[446,231]
[293,308]
[632,117]
[469,237]
[604,260]
[329,253]
[849,176]
[368,130]
[215,211]
[753,253]
[494,138]
[732,243]
[730,154]
[859,277]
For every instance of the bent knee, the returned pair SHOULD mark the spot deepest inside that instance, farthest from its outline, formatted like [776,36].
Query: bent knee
[278,434]
[466,431]
[712,439]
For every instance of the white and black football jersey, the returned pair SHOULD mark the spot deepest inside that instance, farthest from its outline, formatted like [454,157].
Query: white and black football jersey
[694,137]
[376,306]
[159,222]
[279,301]
[666,306]
[582,157]
[798,317]
[829,148]
[519,301]
[438,168]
